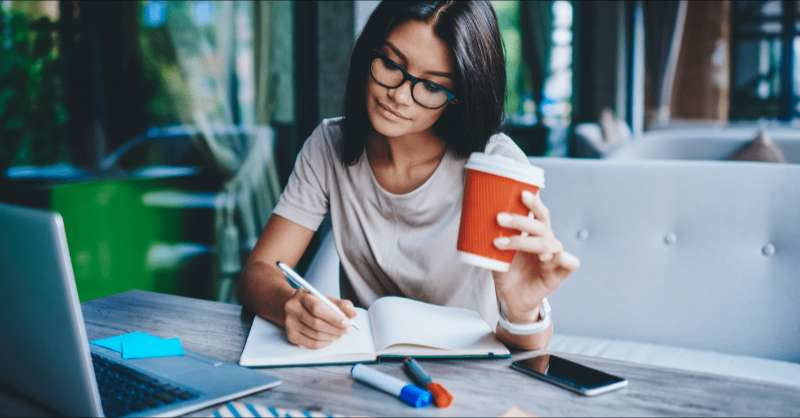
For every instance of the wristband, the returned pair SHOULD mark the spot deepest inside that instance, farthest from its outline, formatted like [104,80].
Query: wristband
[528,329]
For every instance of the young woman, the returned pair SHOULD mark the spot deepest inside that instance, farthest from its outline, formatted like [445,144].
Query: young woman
[425,89]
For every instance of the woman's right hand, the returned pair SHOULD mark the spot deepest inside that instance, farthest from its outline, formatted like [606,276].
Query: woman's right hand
[310,323]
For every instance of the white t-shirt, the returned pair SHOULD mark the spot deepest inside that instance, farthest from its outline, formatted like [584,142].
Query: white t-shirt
[391,244]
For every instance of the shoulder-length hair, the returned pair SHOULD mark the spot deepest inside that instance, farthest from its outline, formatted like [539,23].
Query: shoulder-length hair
[470,29]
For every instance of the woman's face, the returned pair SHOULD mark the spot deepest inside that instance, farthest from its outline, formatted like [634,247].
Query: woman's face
[392,111]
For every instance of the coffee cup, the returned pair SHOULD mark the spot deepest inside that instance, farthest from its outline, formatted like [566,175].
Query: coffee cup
[493,184]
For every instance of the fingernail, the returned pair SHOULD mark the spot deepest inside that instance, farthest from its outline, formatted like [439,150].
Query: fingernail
[502,241]
[546,257]
[503,219]
[527,196]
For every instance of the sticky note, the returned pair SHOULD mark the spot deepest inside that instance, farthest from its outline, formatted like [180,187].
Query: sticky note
[138,345]
[115,343]
[151,347]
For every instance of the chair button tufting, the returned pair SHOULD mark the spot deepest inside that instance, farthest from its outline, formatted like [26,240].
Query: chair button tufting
[670,238]
[582,234]
[768,250]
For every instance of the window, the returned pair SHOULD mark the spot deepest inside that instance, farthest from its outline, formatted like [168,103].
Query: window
[556,105]
[558,87]
[33,112]
[199,51]
[765,68]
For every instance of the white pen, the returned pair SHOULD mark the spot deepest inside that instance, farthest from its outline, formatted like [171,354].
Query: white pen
[299,281]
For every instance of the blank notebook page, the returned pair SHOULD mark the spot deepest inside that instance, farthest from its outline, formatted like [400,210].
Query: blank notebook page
[268,342]
[401,321]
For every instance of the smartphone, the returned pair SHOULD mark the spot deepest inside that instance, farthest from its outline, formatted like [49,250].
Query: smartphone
[569,375]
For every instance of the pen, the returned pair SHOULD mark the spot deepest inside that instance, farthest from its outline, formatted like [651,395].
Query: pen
[441,397]
[408,393]
[300,282]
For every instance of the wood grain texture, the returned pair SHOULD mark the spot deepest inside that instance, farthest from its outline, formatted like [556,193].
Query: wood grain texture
[480,387]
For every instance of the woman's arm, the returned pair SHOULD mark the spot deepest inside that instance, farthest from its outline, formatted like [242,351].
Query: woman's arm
[264,290]
[538,268]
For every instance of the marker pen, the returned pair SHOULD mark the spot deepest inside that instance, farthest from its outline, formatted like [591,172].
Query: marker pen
[408,393]
[441,397]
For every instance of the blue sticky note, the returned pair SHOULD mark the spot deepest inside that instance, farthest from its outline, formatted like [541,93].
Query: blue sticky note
[138,345]
[148,346]
[115,343]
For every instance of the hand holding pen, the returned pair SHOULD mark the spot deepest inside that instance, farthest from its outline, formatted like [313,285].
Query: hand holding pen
[311,319]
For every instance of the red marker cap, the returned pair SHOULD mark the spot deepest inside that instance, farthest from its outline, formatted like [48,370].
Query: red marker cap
[441,397]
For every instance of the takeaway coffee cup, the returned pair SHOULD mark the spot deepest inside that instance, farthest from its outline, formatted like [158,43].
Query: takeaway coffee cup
[494,184]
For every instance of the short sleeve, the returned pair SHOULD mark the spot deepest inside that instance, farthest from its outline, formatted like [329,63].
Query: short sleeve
[500,144]
[304,201]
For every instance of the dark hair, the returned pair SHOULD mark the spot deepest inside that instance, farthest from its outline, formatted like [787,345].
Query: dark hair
[470,29]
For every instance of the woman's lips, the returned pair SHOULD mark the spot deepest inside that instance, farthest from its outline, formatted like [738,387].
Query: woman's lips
[391,112]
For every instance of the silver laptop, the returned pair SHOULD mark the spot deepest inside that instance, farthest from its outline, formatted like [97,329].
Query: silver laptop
[45,353]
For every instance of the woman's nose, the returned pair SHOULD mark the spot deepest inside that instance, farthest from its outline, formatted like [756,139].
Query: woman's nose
[402,93]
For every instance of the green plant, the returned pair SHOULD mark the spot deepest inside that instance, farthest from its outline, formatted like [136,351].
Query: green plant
[518,83]
[33,115]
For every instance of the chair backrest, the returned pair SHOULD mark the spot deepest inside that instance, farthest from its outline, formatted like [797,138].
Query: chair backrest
[695,254]
[586,140]
[705,144]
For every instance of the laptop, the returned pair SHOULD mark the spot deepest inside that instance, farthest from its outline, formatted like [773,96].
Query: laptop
[45,353]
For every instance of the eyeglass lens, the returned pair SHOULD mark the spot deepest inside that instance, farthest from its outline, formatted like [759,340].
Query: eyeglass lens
[389,75]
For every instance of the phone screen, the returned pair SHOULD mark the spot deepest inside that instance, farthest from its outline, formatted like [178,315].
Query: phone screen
[567,373]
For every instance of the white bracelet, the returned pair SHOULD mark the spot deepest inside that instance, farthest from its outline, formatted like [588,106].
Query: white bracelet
[528,329]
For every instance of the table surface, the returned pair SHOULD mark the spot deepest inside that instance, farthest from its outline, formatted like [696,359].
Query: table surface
[480,387]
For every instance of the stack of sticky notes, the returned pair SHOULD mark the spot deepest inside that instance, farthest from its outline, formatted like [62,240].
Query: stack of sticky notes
[138,345]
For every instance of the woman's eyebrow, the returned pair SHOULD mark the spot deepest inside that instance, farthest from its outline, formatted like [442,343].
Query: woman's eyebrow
[403,57]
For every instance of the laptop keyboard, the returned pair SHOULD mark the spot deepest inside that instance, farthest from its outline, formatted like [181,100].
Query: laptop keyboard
[125,391]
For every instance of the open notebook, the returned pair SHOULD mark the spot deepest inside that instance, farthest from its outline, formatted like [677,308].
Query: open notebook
[392,327]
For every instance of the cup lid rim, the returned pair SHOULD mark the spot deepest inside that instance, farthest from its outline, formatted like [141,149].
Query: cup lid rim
[506,167]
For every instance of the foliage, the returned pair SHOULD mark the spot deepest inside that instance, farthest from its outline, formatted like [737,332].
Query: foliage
[518,83]
[33,114]
[159,69]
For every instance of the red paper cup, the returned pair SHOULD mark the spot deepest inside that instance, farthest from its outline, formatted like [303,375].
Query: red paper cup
[494,184]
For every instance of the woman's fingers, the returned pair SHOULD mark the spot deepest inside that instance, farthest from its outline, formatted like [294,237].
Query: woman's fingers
[321,330]
[299,334]
[535,204]
[537,225]
[346,306]
[319,310]
[566,262]
[521,223]
[310,323]
[530,244]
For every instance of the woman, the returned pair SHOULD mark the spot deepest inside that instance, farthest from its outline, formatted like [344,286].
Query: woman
[425,89]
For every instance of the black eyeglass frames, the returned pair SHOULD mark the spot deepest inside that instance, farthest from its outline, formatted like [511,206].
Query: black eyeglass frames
[425,93]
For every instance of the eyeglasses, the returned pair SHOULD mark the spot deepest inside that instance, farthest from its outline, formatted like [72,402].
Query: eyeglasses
[425,93]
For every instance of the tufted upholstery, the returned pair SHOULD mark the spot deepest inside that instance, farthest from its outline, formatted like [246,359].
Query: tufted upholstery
[695,254]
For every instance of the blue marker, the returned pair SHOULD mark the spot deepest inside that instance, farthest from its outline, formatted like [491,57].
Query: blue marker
[408,393]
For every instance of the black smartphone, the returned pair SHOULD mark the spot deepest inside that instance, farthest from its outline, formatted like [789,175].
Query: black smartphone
[569,375]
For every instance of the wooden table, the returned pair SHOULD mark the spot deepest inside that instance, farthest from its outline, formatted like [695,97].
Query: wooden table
[481,387]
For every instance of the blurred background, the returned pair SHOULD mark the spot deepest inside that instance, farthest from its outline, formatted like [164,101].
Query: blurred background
[164,131]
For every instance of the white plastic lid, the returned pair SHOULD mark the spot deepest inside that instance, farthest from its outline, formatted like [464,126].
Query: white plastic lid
[506,167]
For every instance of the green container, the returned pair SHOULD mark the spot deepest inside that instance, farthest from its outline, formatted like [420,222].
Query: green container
[136,232]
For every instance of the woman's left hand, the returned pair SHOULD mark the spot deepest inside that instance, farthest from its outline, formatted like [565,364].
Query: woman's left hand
[539,266]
